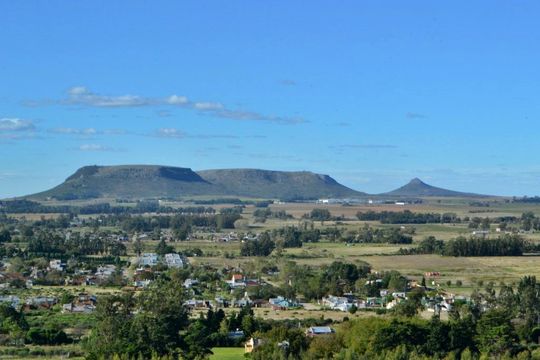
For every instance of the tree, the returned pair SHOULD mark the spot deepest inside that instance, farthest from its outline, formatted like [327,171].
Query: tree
[320,215]
[111,335]
[162,248]
[5,236]
[155,322]
[138,247]
[495,333]
[261,247]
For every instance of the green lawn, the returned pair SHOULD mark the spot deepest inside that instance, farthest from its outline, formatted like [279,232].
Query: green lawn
[223,353]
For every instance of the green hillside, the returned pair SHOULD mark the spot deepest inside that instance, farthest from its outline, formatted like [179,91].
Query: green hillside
[153,181]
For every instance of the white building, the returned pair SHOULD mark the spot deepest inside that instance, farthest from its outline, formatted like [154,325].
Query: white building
[56,265]
[148,259]
[105,271]
[174,261]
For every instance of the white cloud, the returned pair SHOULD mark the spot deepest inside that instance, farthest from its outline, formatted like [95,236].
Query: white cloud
[15,124]
[94,147]
[170,133]
[74,131]
[177,100]
[207,106]
[78,90]
[80,95]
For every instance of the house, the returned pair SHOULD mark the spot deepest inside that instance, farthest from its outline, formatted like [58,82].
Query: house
[374,302]
[73,308]
[237,334]
[280,303]
[245,301]
[105,271]
[250,237]
[148,259]
[45,302]
[84,303]
[236,281]
[198,304]
[221,302]
[340,303]
[252,344]
[390,305]
[229,237]
[12,300]
[319,331]
[174,261]
[56,265]
[142,283]
[189,283]
[86,299]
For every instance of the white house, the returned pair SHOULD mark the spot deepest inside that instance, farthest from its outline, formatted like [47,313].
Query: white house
[319,330]
[174,261]
[105,271]
[56,265]
[340,303]
[148,259]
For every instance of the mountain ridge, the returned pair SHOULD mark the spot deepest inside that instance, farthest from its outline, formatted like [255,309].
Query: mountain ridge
[158,181]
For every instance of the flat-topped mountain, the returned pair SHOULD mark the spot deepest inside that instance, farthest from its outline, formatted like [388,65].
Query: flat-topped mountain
[153,181]
[418,188]
[267,184]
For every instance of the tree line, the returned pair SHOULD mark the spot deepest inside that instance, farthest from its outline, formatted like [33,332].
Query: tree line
[504,245]
[407,217]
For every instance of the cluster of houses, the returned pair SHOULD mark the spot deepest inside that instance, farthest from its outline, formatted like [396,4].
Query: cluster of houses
[232,236]
[172,260]
[82,303]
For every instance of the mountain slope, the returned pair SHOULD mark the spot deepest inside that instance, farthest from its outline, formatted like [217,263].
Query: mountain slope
[267,184]
[128,181]
[417,187]
[153,181]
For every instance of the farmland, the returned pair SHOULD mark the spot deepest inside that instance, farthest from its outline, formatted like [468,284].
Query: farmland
[98,256]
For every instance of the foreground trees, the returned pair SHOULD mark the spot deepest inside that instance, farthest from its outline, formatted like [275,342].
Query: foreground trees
[153,323]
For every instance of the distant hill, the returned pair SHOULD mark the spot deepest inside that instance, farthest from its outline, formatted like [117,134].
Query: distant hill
[153,181]
[280,184]
[418,188]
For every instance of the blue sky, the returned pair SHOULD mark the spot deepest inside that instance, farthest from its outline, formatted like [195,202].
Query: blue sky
[372,93]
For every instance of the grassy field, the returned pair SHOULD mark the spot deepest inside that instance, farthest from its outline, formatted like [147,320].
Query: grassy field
[383,257]
[223,353]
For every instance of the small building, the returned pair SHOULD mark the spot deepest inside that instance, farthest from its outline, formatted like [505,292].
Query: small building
[45,302]
[148,259]
[252,344]
[189,283]
[12,300]
[105,271]
[237,334]
[198,304]
[56,265]
[340,303]
[319,331]
[280,303]
[236,281]
[174,261]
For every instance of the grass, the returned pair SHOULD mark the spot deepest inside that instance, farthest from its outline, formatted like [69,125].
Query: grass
[227,353]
